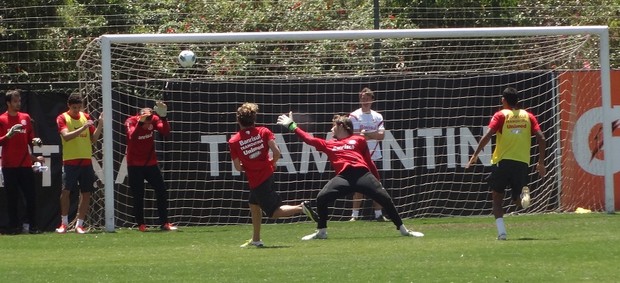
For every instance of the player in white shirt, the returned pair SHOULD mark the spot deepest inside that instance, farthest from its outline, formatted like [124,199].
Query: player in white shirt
[368,123]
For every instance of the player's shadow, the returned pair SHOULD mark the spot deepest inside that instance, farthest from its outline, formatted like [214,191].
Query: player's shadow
[275,247]
[536,239]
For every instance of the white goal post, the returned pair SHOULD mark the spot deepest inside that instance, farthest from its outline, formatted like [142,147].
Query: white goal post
[107,43]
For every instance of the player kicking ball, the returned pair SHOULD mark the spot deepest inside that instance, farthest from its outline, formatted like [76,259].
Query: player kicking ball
[249,150]
[355,172]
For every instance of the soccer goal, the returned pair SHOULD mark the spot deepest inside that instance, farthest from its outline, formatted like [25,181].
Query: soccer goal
[436,90]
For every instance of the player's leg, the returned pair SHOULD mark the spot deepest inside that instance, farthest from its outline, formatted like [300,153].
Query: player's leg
[86,183]
[336,187]
[371,187]
[498,180]
[520,193]
[356,206]
[375,205]
[257,218]
[153,175]
[256,214]
[27,179]
[135,175]
[11,184]
[69,184]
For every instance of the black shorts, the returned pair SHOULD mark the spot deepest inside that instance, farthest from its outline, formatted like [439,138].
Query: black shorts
[266,197]
[74,176]
[509,173]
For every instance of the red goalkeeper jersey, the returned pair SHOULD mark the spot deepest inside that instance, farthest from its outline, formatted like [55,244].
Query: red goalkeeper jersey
[350,152]
[16,150]
[141,142]
[251,147]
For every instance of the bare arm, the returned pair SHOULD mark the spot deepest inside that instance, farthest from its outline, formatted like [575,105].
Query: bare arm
[542,147]
[276,152]
[95,136]
[483,142]
[378,135]
[237,164]
[69,135]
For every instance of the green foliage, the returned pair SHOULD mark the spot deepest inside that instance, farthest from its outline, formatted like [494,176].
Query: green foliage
[45,38]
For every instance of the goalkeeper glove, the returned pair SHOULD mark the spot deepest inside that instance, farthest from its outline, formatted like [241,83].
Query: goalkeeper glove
[287,121]
[17,128]
[161,109]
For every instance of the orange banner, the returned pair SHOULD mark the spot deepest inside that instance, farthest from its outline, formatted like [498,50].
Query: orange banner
[582,140]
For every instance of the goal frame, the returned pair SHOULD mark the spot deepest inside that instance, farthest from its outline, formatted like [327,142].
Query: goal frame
[106,68]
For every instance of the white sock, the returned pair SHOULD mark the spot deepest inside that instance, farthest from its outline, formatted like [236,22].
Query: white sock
[403,229]
[501,229]
[80,222]
[378,213]
[26,226]
[355,213]
[65,219]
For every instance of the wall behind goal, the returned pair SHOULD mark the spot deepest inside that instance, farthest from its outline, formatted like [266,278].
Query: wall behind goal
[427,118]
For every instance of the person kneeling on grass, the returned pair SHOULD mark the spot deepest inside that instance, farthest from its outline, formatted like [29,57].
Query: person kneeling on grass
[356,172]
[249,150]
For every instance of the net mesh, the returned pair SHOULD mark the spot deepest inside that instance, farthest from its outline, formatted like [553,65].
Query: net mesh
[436,96]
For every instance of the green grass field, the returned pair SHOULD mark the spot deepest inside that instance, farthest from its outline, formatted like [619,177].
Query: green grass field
[540,248]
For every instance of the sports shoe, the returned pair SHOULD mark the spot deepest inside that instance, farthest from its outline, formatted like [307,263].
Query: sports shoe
[315,235]
[501,237]
[381,218]
[142,228]
[80,230]
[525,197]
[353,219]
[258,244]
[168,227]
[415,234]
[305,206]
[61,229]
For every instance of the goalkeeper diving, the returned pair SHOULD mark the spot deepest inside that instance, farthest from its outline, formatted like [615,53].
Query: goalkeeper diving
[355,172]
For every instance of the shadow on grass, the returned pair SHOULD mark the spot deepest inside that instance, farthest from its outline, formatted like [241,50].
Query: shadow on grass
[536,239]
[274,247]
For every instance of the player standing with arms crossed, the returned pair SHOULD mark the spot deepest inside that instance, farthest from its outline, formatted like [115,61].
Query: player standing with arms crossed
[142,162]
[369,124]
[16,134]
[249,150]
[78,134]
[511,158]
[355,172]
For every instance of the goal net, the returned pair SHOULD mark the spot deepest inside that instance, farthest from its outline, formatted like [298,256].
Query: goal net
[436,90]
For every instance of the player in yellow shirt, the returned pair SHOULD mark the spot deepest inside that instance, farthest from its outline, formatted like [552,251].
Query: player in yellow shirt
[514,129]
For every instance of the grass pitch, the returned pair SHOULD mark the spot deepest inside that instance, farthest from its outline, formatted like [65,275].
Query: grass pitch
[540,248]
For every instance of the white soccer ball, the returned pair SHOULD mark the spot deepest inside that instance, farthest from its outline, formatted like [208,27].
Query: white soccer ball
[186,58]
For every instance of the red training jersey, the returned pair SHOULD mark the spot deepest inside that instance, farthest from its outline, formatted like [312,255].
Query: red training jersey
[16,149]
[251,147]
[350,152]
[140,140]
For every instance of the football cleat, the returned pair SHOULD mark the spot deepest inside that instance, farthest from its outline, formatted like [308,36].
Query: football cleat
[525,197]
[142,228]
[501,237]
[353,219]
[168,227]
[410,233]
[315,235]
[258,244]
[61,229]
[305,205]
[80,230]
